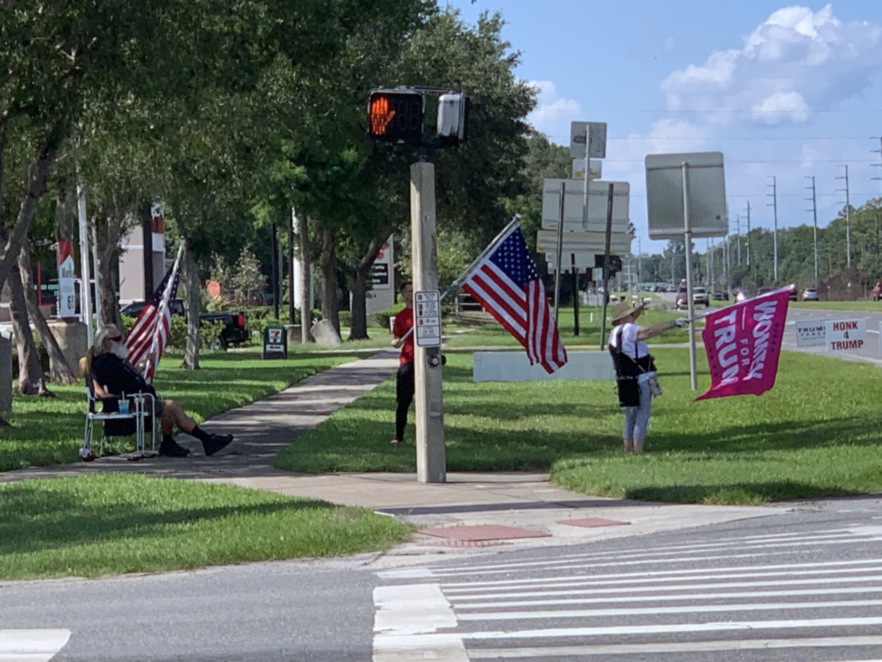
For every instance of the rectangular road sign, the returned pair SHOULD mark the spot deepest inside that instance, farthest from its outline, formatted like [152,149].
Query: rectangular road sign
[427,318]
[583,242]
[594,165]
[596,134]
[706,193]
[598,194]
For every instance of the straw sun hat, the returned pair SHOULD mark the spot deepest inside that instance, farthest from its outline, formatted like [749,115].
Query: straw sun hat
[623,309]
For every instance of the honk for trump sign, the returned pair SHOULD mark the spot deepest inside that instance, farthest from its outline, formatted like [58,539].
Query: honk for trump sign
[846,335]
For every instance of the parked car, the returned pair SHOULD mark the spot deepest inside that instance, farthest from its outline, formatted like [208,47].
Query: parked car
[877,291]
[233,332]
[134,308]
[793,295]
[721,296]
[700,297]
[682,301]
[810,294]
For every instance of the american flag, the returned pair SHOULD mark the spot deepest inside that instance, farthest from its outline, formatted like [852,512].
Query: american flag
[508,286]
[147,338]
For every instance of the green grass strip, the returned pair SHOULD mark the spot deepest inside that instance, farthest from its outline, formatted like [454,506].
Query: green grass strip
[113,523]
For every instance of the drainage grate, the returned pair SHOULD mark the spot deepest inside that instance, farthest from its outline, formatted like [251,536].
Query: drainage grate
[593,521]
[483,532]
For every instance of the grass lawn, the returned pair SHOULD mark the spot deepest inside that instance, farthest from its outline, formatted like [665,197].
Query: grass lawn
[118,523]
[815,434]
[50,430]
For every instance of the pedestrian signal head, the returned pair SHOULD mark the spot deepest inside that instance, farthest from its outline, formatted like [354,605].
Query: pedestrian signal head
[396,115]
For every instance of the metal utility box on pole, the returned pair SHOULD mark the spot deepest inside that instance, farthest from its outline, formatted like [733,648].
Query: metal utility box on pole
[430,451]
[686,198]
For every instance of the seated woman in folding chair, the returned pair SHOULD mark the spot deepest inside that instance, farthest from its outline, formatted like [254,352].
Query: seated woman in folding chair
[113,375]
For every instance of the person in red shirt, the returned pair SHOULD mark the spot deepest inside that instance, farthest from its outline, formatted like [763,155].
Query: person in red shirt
[402,332]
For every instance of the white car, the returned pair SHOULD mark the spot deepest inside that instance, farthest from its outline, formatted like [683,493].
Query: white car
[810,294]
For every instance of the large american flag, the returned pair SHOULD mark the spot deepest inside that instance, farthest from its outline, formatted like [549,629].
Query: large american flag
[148,336]
[508,286]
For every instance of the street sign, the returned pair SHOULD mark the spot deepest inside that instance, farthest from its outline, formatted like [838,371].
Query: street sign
[427,318]
[582,242]
[706,193]
[596,134]
[598,193]
[595,166]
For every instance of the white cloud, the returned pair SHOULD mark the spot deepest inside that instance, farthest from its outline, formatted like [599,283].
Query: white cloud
[553,114]
[780,107]
[796,61]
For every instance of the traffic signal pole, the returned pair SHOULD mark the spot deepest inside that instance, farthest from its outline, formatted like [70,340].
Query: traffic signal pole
[430,452]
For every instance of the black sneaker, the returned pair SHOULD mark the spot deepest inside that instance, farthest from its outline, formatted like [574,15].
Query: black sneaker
[217,442]
[173,449]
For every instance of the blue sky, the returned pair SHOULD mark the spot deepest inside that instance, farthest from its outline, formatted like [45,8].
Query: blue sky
[792,91]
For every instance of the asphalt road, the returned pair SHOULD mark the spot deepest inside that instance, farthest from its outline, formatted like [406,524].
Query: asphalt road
[805,585]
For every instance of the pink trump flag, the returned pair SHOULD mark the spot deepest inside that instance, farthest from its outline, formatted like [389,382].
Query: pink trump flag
[743,342]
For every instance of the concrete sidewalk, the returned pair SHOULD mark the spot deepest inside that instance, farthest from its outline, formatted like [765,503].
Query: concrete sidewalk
[469,510]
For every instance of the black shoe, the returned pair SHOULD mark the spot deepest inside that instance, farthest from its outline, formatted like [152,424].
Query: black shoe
[217,442]
[173,449]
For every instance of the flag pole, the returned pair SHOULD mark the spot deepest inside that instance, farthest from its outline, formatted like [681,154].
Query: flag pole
[163,304]
[468,271]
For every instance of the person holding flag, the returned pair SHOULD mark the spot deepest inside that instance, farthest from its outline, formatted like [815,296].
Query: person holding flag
[635,370]
[114,377]
[405,384]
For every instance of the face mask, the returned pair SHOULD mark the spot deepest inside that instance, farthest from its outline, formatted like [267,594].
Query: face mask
[120,350]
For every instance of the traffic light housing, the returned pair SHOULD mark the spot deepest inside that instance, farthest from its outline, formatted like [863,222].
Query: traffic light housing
[396,115]
[615,263]
[452,111]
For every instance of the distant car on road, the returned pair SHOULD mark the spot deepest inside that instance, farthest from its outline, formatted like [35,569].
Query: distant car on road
[700,296]
[810,294]
[721,295]
[793,295]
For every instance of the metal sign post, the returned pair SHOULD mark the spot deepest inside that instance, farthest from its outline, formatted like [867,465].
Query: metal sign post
[686,197]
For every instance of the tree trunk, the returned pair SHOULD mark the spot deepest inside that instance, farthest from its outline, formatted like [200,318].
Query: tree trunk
[358,328]
[36,186]
[305,281]
[194,294]
[59,370]
[30,373]
[107,235]
[328,266]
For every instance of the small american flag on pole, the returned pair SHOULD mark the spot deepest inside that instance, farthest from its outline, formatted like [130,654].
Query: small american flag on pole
[148,336]
[506,283]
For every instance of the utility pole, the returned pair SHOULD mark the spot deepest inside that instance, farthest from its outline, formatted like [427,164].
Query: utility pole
[847,218]
[748,234]
[814,211]
[879,152]
[738,239]
[774,206]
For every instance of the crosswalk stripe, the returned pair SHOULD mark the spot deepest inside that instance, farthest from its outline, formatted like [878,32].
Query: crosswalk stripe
[655,590]
[833,568]
[671,648]
[654,611]
[31,645]
[633,559]
[668,598]
[673,628]
[405,615]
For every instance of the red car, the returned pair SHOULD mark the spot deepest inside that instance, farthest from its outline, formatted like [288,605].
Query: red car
[877,291]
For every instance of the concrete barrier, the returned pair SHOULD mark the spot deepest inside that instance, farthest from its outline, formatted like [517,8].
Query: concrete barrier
[72,339]
[515,367]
